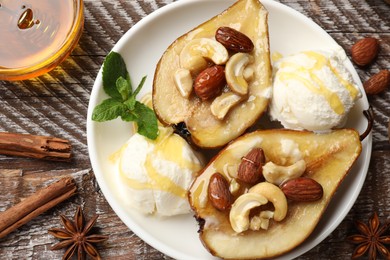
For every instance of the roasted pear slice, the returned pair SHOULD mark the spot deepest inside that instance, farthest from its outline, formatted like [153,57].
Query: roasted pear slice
[174,104]
[328,158]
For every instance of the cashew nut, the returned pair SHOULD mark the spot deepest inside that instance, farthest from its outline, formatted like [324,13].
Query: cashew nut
[234,72]
[230,170]
[248,73]
[277,174]
[261,220]
[239,213]
[234,186]
[273,194]
[223,103]
[195,54]
[183,81]
[258,195]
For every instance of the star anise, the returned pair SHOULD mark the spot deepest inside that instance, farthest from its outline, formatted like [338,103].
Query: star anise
[371,238]
[75,236]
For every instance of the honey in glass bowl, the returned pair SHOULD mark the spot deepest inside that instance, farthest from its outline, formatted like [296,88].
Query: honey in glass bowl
[36,35]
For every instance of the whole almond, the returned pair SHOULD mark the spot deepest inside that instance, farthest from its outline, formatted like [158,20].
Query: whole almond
[251,166]
[302,189]
[377,83]
[365,51]
[209,83]
[234,40]
[219,193]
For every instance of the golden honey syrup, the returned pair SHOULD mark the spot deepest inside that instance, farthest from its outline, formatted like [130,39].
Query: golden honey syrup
[315,84]
[169,147]
[36,35]
[276,56]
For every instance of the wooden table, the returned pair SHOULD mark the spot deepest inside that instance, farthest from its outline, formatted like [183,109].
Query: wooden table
[56,104]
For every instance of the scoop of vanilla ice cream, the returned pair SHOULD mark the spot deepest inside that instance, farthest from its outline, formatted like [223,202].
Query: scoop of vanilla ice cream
[312,90]
[154,175]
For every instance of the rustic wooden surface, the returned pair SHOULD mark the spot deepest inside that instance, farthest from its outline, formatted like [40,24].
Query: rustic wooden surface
[56,104]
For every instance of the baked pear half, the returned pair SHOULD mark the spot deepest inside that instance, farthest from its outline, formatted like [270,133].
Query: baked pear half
[217,77]
[295,176]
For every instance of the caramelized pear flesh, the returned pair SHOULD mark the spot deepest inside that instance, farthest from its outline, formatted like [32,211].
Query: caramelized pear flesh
[328,157]
[248,17]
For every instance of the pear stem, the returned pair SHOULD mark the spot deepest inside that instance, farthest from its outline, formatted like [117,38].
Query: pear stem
[369,114]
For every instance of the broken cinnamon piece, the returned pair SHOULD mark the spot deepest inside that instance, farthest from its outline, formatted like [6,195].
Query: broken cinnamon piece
[35,146]
[39,202]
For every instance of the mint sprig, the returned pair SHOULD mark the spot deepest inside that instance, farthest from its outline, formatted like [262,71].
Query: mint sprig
[122,102]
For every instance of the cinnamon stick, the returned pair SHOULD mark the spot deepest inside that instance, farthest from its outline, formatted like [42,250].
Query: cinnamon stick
[35,146]
[39,202]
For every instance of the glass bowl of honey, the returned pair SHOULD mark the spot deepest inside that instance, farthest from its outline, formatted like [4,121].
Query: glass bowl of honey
[37,35]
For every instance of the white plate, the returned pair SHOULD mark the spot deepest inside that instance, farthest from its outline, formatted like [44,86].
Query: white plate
[142,47]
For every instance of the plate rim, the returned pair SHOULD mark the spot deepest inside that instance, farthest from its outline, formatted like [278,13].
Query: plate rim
[148,238]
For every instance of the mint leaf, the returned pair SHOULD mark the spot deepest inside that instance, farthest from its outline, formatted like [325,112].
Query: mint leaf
[107,110]
[145,118]
[140,85]
[123,87]
[113,68]
[146,121]
[129,116]
[122,102]
[130,103]
[128,79]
